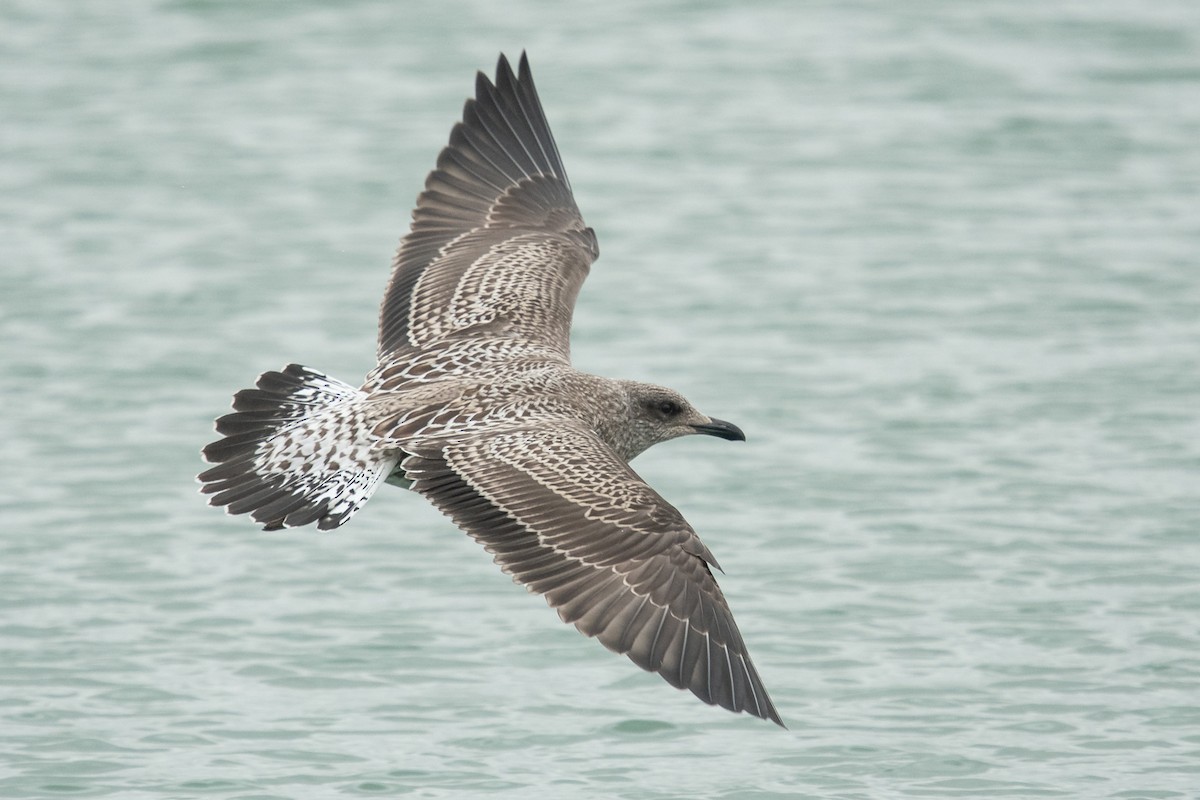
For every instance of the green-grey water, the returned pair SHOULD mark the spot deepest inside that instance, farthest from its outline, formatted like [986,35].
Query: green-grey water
[939,260]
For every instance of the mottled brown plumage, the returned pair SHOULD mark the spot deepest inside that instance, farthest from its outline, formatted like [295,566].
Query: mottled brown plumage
[475,405]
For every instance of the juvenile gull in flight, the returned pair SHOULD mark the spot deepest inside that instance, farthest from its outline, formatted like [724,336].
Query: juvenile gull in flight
[475,405]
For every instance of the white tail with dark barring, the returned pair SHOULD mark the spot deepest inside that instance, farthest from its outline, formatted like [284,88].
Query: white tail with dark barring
[297,449]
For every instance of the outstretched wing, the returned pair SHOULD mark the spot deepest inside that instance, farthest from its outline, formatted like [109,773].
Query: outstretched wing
[497,243]
[567,518]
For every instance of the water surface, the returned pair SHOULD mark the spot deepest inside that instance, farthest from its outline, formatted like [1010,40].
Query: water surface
[938,260]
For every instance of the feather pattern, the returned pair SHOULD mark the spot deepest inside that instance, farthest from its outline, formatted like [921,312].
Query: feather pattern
[608,552]
[496,235]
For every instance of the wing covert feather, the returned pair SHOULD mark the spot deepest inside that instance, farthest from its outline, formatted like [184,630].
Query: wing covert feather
[607,551]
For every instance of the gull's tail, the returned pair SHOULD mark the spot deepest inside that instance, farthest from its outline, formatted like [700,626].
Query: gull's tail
[298,449]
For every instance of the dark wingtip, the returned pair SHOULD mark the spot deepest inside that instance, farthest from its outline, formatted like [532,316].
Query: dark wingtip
[483,85]
[773,715]
[503,68]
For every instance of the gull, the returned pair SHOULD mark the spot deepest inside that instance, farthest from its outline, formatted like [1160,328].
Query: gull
[475,405]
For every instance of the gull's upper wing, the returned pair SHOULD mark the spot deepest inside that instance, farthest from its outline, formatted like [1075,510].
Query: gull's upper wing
[566,517]
[497,243]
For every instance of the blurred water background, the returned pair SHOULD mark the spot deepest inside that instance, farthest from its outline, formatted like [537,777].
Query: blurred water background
[940,260]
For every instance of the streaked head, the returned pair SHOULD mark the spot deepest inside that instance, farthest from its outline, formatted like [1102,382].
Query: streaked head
[658,414]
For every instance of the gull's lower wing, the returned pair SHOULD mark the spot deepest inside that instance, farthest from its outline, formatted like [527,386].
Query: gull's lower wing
[567,518]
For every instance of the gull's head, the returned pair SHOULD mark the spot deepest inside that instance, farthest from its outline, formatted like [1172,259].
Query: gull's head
[658,414]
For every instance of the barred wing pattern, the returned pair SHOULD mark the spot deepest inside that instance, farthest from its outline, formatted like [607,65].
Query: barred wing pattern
[497,243]
[566,517]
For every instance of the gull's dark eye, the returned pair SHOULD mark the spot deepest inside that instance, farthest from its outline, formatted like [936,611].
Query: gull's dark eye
[668,408]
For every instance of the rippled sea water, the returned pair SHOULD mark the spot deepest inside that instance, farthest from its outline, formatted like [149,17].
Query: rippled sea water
[938,259]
